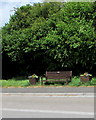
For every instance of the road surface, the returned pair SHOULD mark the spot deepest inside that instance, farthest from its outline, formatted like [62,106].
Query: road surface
[30,106]
[50,90]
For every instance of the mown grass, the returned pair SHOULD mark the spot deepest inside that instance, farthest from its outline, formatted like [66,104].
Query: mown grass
[25,83]
[14,83]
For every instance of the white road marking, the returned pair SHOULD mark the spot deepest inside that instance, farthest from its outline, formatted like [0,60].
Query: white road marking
[60,96]
[49,111]
[52,94]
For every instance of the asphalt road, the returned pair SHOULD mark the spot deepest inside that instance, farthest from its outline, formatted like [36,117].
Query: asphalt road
[50,90]
[28,106]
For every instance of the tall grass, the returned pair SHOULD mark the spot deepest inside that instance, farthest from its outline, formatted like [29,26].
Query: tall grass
[25,83]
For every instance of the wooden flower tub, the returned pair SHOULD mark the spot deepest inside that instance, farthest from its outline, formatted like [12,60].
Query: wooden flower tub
[85,78]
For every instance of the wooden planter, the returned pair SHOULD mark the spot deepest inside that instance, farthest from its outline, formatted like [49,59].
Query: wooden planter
[85,78]
[32,81]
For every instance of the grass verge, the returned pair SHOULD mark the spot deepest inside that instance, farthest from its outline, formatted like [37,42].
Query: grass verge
[25,83]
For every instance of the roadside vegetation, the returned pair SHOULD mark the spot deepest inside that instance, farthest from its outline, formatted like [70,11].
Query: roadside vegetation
[48,37]
[25,83]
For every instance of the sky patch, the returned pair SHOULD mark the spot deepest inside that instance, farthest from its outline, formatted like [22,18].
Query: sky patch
[7,8]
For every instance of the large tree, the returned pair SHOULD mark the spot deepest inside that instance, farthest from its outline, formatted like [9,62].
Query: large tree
[50,36]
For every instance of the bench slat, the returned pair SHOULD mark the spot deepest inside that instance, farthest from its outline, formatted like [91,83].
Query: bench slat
[66,73]
[57,77]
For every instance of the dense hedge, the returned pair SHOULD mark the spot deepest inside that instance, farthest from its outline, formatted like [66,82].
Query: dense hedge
[50,36]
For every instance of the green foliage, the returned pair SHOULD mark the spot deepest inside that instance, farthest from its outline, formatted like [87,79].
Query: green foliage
[93,82]
[14,83]
[75,81]
[54,34]
[25,83]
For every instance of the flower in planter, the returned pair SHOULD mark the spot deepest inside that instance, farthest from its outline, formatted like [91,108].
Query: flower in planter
[33,76]
[86,74]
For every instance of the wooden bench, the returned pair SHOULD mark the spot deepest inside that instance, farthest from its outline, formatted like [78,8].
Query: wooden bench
[64,76]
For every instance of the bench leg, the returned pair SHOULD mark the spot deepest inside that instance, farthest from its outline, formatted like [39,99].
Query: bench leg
[66,81]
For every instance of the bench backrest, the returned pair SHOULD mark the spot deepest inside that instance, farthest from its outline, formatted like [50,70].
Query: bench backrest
[58,74]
